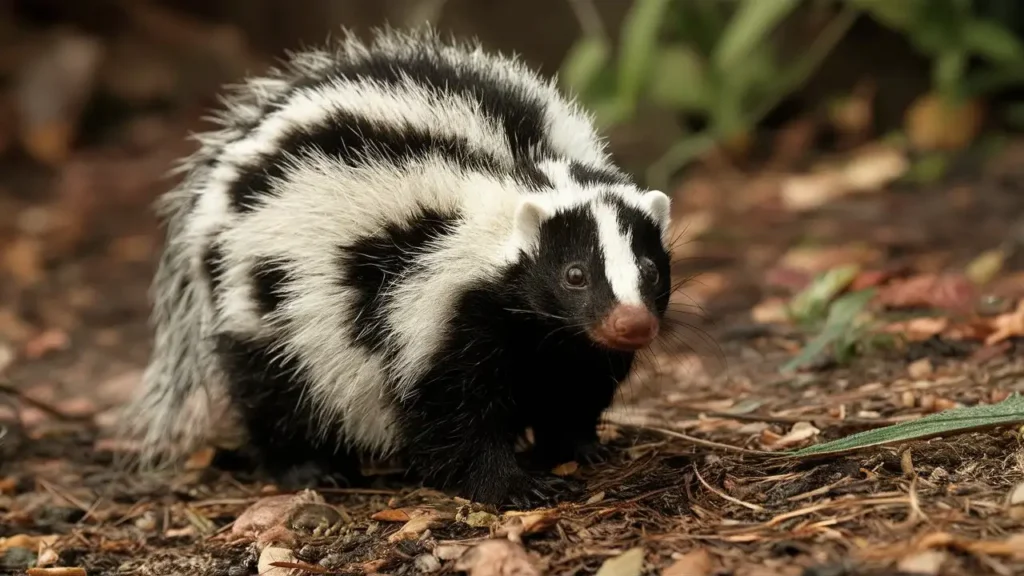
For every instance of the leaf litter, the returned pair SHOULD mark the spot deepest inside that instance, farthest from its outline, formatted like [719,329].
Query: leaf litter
[868,417]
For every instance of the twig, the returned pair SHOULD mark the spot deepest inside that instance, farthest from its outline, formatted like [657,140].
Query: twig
[725,496]
[6,388]
[710,444]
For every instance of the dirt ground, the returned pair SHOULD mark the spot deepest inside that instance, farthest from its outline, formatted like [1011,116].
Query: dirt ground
[697,484]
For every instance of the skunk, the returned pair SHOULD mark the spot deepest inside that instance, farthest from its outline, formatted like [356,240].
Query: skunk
[404,246]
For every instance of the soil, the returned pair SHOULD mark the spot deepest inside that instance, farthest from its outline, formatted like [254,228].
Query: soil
[696,478]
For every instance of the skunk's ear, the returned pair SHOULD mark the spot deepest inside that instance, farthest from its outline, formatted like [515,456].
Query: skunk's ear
[530,215]
[658,205]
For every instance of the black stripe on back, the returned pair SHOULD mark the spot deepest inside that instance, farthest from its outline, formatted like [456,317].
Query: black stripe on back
[374,263]
[353,140]
[590,175]
[520,114]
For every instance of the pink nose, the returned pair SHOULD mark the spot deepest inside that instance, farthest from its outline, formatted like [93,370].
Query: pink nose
[627,327]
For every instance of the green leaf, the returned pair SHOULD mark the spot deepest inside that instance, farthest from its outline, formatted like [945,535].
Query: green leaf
[748,27]
[637,46]
[841,319]
[583,64]
[896,14]
[948,422]
[992,41]
[949,72]
[679,80]
[812,301]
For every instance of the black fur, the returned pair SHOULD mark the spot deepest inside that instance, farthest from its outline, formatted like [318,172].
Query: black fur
[353,139]
[520,115]
[213,267]
[269,280]
[284,437]
[374,263]
[588,175]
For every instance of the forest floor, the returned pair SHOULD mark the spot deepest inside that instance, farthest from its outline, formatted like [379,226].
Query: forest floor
[701,481]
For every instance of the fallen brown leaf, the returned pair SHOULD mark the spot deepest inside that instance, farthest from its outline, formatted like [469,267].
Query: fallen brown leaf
[23,260]
[920,369]
[516,524]
[924,563]
[497,557]
[945,291]
[271,511]
[566,469]
[817,259]
[420,519]
[696,563]
[30,542]
[798,433]
[629,563]
[869,170]
[1007,325]
[272,555]
[932,123]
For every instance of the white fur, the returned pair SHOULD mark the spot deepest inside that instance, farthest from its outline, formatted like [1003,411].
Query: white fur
[320,204]
[620,265]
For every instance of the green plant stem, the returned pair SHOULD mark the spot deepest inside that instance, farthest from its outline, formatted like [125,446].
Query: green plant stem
[659,173]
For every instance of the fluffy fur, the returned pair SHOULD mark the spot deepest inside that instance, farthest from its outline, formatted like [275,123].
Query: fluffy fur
[369,256]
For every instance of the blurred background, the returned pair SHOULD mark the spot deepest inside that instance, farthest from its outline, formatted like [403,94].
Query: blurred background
[774,123]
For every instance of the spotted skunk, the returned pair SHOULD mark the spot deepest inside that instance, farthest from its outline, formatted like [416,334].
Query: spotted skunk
[405,246]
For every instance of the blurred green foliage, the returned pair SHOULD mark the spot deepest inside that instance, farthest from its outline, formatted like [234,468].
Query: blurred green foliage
[721,61]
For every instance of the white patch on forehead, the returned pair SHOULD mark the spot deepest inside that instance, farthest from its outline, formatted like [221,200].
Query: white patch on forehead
[620,265]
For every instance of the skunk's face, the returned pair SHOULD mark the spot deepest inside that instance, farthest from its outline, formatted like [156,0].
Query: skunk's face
[601,269]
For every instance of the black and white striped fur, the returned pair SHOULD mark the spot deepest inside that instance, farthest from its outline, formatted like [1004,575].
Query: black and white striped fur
[369,256]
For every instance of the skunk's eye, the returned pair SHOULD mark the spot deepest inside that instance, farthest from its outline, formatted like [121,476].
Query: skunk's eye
[649,270]
[575,277]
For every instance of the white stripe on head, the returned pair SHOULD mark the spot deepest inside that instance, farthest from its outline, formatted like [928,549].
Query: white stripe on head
[620,265]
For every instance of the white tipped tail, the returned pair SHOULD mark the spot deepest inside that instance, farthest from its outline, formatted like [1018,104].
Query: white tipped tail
[177,406]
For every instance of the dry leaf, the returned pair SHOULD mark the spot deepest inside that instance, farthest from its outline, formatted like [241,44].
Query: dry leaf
[986,266]
[947,291]
[566,469]
[629,563]
[273,554]
[271,511]
[798,433]
[517,524]
[869,170]
[391,515]
[420,519]
[917,329]
[817,259]
[23,260]
[1007,325]
[927,562]
[496,557]
[932,123]
[770,311]
[48,341]
[696,563]
[920,369]
[28,542]
[450,551]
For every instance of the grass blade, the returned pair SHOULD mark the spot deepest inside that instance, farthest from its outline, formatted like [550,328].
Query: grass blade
[949,422]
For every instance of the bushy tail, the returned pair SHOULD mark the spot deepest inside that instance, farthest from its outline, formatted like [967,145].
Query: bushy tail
[175,410]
